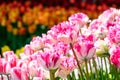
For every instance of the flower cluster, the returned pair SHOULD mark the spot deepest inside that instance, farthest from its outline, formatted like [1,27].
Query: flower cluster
[74,44]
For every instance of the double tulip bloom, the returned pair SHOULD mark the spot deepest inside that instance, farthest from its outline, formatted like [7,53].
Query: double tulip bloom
[49,61]
[85,48]
[115,56]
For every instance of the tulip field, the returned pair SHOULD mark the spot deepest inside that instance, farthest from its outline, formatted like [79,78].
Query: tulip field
[76,49]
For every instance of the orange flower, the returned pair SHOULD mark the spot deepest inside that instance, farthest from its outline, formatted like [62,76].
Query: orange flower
[22,31]
[9,27]
[32,28]
[15,31]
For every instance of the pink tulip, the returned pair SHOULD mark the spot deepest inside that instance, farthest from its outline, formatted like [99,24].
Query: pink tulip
[37,43]
[7,54]
[22,64]
[52,36]
[18,74]
[79,18]
[47,40]
[26,58]
[40,72]
[34,56]
[28,50]
[65,32]
[115,56]
[61,48]
[32,68]
[98,28]
[95,24]
[114,34]
[11,58]
[67,65]
[85,47]
[6,67]
[49,60]
[108,15]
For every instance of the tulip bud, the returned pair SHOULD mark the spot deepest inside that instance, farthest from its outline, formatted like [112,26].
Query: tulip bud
[101,48]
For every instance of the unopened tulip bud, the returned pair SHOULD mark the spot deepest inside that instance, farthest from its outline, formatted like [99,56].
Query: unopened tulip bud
[101,48]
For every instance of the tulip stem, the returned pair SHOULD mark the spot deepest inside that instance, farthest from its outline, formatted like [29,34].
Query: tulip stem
[1,76]
[52,74]
[8,76]
[106,68]
[86,66]
[42,49]
[68,77]
[90,69]
[95,66]
[79,67]
[117,75]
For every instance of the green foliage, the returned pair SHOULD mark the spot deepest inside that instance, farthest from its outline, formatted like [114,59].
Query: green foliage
[18,41]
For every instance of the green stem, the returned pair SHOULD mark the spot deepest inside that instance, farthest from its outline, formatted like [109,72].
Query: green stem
[91,69]
[117,75]
[101,69]
[86,66]
[111,67]
[73,76]
[95,66]
[79,67]
[68,77]
[105,65]
[106,68]
[52,74]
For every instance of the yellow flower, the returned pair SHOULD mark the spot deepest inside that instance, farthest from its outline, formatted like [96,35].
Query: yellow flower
[5,48]
[19,51]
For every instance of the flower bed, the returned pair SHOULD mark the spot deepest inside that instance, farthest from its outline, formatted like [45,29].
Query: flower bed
[77,49]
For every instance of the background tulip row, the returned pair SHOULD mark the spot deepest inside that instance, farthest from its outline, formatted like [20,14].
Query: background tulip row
[21,20]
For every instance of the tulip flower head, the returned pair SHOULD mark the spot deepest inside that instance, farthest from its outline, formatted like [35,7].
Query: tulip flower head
[79,18]
[114,34]
[67,65]
[37,43]
[18,74]
[115,56]
[28,50]
[85,48]
[49,61]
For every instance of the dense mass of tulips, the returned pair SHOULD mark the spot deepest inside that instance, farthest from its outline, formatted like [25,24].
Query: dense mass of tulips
[79,48]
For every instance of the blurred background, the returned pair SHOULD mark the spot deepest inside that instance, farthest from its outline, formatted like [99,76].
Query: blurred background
[21,20]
